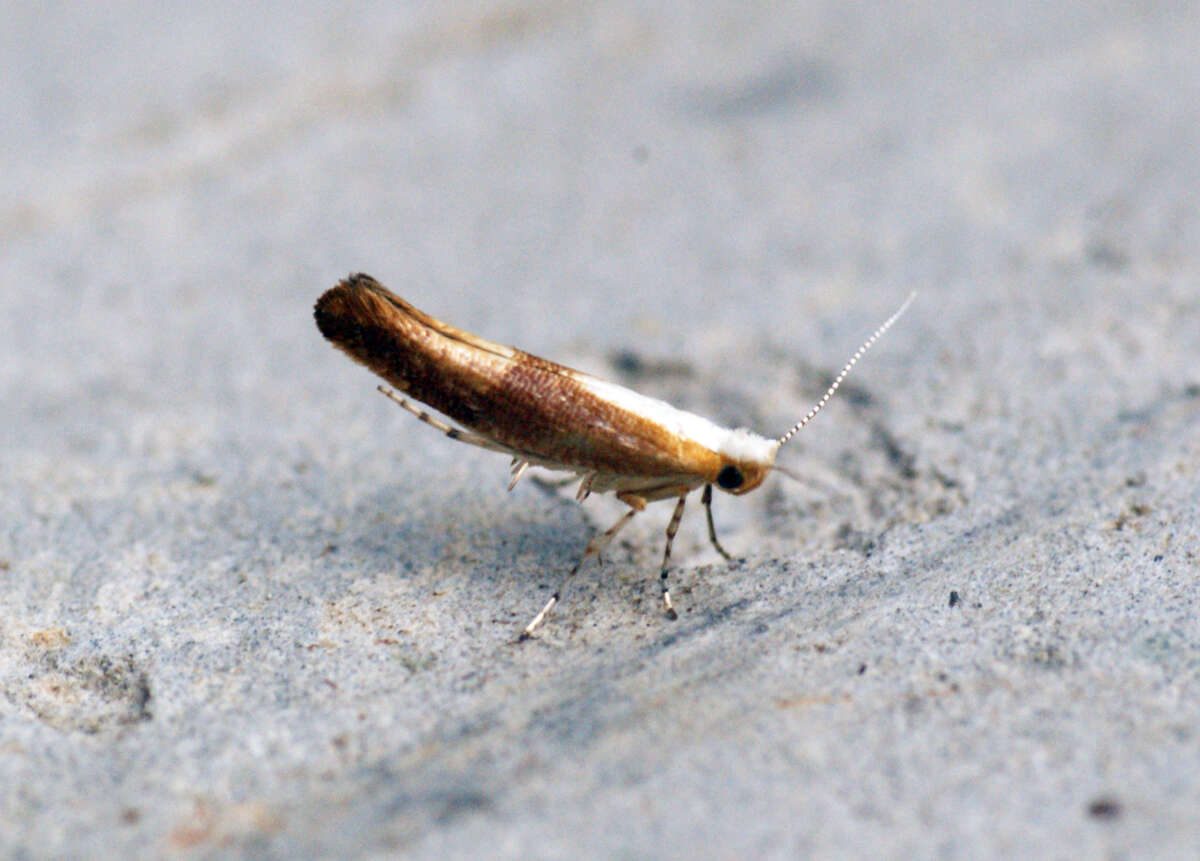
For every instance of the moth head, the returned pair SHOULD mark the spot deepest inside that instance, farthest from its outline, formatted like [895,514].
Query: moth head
[746,458]
[739,478]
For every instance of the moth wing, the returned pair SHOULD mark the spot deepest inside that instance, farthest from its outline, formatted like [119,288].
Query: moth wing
[509,354]
[521,404]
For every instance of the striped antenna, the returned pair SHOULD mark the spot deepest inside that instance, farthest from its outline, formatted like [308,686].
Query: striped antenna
[837,381]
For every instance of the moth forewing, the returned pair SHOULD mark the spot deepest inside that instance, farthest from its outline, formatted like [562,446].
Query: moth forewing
[701,449]
[544,414]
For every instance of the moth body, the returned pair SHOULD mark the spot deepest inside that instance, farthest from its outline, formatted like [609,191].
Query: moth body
[544,414]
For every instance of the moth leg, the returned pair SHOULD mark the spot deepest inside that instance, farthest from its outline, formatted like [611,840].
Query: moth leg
[449,430]
[672,528]
[516,470]
[706,500]
[585,487]
[594,546]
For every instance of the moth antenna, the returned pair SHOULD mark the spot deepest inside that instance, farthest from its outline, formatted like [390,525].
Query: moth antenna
[858,354]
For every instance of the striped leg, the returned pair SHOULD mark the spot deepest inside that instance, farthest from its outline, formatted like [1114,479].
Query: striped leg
[672,528]
[516,469]
[706,499]
[593,548]
[449,430]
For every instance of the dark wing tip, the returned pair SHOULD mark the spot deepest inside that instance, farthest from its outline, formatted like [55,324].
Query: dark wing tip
[341,301]
[359,279]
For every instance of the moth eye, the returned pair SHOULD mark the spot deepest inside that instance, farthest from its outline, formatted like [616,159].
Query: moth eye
[730,478]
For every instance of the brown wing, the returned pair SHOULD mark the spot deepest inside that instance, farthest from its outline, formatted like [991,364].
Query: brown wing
[524,403]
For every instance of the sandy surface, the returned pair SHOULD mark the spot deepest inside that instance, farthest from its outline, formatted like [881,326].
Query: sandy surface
[249,607]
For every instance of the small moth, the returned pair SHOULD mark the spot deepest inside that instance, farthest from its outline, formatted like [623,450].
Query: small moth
[544,414]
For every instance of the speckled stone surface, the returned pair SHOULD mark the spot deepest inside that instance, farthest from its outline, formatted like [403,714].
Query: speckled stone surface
[250,608]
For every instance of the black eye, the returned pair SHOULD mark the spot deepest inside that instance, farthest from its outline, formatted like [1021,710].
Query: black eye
[730,478]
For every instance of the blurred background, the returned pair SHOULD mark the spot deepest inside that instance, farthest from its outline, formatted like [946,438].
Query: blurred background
[713,204]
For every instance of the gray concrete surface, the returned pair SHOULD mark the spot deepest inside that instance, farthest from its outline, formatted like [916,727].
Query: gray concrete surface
[249,608]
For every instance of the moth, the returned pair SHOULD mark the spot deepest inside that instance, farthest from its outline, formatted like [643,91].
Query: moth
[543,414]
